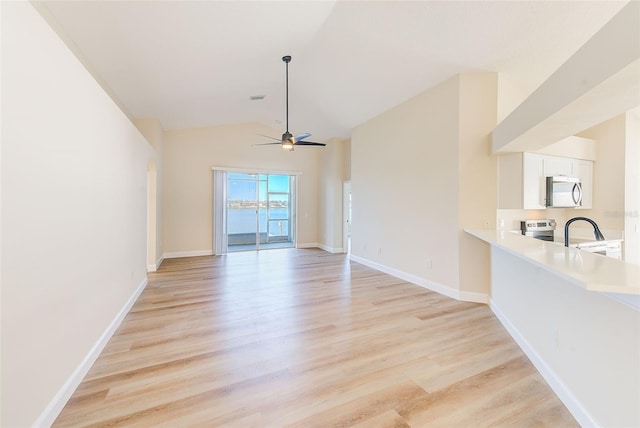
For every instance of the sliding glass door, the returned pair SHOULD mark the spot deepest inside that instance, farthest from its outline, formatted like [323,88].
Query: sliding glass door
[259,211]
[242,209]
[278,215]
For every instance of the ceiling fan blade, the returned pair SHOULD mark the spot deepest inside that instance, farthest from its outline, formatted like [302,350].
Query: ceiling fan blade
[302,136]
[268,136]
[308,143]
[268,144]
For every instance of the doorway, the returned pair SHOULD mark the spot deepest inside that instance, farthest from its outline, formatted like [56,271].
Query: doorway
[346,217]
[152,206]
[259,211]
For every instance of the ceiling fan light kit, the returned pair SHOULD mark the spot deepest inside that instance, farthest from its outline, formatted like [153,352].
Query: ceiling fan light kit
[288,141]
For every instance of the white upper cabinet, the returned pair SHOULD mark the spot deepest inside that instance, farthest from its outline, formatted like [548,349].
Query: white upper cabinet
[534,182]
[554,165]
[522,179]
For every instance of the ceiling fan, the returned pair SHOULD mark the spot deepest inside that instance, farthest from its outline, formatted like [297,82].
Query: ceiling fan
[288,141]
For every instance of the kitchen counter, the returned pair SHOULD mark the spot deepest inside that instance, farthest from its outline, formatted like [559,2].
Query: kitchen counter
[590,271]
[605,247]
[573,242]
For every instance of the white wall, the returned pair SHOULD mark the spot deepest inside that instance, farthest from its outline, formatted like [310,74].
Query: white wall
[188,181]
[477,171]
[608,173]
[347,160]
[74,174]
[586,345]
[572,147]
[421,172]
[331,176]
[153,132]
[511,93]
[632,188]
[616,192]
[404,178]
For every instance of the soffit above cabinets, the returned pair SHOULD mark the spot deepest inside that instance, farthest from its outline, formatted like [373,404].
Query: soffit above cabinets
[600,81]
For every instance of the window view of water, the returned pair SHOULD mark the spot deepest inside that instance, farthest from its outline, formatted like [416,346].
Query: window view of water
[269,196]
[243,220]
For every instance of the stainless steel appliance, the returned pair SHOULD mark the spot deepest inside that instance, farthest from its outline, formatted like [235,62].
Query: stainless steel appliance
[539,229]
[563,192]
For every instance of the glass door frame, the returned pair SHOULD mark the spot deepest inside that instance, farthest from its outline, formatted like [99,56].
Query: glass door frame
[244,200]
[290,209]
[220,243]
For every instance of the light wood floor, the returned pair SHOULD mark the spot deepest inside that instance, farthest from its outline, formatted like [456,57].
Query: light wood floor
[308,339]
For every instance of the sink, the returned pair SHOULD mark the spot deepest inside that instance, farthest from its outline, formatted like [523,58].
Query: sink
[583,242]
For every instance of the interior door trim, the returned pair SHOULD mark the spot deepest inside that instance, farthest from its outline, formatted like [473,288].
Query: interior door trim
[256,171]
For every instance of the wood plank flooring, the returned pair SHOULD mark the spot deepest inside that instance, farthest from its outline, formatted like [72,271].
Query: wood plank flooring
[304,338]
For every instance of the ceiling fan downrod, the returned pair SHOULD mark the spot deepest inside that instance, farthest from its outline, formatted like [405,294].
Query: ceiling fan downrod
[288,141]
[287,138]
[287,60]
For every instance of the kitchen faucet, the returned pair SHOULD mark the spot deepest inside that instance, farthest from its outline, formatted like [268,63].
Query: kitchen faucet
[596,229]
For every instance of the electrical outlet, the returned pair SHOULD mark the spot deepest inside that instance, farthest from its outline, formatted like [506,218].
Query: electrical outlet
[380,251]
[428,263]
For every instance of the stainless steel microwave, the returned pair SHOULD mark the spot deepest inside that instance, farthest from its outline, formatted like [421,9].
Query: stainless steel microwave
[564,192]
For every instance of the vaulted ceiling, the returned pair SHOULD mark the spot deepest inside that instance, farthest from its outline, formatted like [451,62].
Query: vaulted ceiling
[197,63]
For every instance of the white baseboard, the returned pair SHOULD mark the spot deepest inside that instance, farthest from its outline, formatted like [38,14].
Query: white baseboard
[197,253]
[431,285]
[154,267]
[470,296]
[330,249]
[307,245]
[466,296]
[194,253]
[53,409]
[565,395]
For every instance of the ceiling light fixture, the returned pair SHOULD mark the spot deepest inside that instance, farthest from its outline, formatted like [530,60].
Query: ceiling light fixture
[287,143]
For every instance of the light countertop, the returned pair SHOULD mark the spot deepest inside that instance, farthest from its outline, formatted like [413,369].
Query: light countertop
[575,241]
[587,270]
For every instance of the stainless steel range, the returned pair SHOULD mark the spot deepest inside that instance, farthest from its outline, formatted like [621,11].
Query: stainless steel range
[539,229]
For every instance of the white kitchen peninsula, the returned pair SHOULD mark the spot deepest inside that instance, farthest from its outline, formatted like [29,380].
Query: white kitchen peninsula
[561,305]
[589,271]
